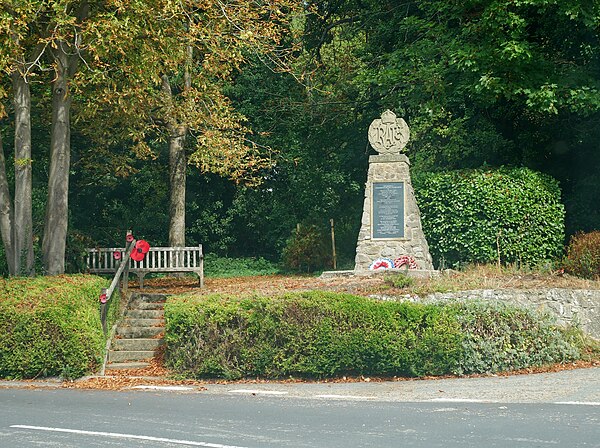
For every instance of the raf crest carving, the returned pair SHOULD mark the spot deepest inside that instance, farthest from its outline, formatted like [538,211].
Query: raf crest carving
[388,134]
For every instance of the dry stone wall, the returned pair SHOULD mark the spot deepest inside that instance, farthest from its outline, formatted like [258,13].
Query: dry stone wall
[579,307]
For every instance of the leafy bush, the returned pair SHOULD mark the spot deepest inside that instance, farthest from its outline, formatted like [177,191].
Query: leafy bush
[499,337]
[583,255]
[318,334]
[306,250]
[50,326]
[312,334]
[508,215]
[223,267]
[399,280]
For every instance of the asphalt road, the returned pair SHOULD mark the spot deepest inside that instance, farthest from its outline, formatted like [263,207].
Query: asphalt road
[527,411]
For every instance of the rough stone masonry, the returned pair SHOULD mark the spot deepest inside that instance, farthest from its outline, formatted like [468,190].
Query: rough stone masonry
[391,222]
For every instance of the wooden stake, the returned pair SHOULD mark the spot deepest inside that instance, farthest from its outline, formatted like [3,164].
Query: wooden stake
[333,244]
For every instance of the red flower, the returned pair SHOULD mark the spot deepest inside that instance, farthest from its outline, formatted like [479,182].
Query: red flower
[129,238]
[117,254]
[143,245]
[406,260]
[141,249]
[382,263]
[103,298]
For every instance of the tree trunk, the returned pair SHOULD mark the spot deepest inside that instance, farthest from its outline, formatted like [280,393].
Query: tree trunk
[23,221]
[177,165]
[6,215]
[57,207]
[177,178]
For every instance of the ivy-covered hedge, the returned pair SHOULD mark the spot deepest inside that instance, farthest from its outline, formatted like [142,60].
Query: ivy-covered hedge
[50,326]
[318,334]
[511,214]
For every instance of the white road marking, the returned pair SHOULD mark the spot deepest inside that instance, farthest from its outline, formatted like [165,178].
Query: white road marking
[116,435]
[446,410]
[344,396]
[581,403]
[258,391]
[460,400]
[174,388]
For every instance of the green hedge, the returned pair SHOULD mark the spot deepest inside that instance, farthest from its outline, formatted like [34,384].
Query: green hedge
[50,326]
[318,334]
[476,215]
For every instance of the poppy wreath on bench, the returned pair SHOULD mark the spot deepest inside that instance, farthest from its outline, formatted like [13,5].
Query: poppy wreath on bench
[140,250]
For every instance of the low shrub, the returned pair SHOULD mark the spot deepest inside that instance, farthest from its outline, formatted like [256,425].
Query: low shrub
[224,267]
[583,255]
[500,337]
[318,334]
[50,326]
[313,334]
[508,215]
[399,280]
[306,250]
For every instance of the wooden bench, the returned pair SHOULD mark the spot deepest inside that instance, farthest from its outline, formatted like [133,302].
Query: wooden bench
[158,260]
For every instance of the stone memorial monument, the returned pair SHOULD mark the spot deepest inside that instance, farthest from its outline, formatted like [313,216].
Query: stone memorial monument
[391,230]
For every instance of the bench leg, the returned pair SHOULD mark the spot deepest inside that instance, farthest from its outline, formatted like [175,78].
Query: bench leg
[141,279]
[201,279]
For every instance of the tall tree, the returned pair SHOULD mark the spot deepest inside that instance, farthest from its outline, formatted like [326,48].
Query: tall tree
[6,214]
[23,221]
[174,63]
[65,55]
[20,55]
[47,37]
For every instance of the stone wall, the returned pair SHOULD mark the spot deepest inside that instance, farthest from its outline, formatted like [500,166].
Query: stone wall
[580,307]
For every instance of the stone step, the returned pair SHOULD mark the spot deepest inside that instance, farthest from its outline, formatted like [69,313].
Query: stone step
[156,298]
[126,365]
[129,355]
[138,335]
[140,305]
[136,344]
[136,322]
[138,332]
[144,314]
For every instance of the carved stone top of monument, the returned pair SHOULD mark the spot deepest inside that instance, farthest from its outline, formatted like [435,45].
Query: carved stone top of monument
[388,134]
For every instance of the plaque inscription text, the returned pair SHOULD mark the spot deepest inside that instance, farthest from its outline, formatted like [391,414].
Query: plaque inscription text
[387,210]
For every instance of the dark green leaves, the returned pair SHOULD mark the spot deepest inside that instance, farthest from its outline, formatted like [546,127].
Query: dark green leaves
[506,215]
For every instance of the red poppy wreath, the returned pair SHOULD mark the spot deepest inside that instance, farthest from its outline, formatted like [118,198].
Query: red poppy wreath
[140,250]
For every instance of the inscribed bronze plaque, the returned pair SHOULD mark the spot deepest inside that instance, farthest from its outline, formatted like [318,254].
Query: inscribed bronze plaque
[387,210]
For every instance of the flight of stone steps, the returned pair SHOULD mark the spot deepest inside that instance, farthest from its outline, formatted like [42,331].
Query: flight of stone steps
[139,334]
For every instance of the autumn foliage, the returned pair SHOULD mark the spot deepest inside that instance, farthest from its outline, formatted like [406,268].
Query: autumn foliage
[583,255]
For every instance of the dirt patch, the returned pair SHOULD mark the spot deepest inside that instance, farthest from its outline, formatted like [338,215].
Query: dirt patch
[476,277]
